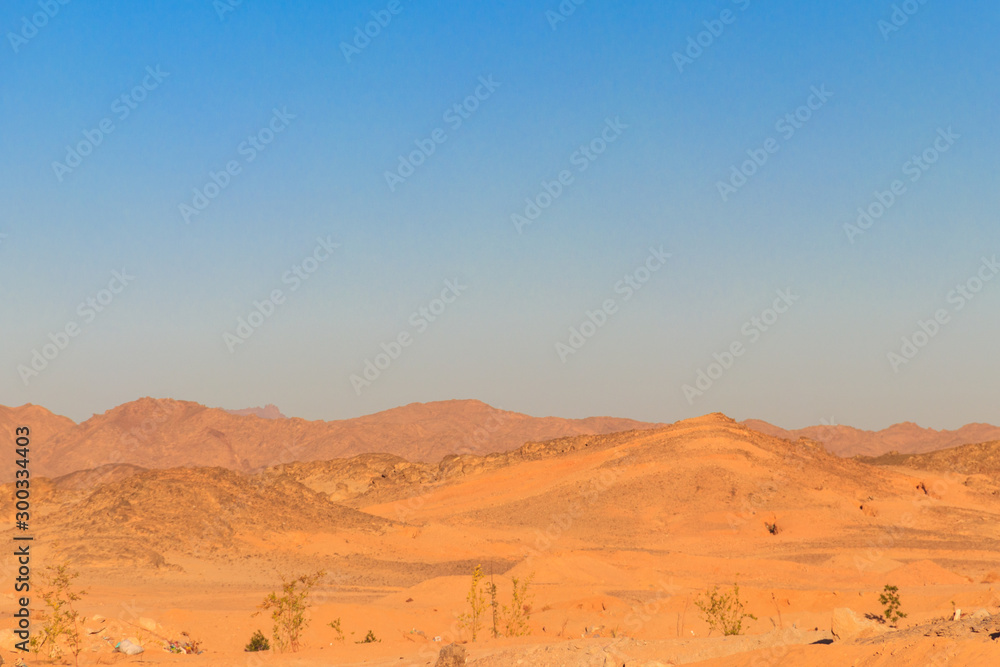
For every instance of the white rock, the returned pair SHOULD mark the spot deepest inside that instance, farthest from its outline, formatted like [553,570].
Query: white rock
[846,624]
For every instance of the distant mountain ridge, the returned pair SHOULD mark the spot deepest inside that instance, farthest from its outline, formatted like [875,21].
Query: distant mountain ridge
[977,459]
[165,433]
[44,425]
[905,438]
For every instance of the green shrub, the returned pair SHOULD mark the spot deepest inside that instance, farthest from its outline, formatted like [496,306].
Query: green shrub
[515,616]
[491,590]
[890,600]
[473,620]
[370,638]
[335,624]
[258,643]
[288,611]
[723,611]
[508,620]
[61,622]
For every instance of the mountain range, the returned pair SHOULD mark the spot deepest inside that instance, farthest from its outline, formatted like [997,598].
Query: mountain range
[905,438]
[165,433]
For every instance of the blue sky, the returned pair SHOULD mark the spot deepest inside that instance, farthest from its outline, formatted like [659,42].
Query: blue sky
[837,353]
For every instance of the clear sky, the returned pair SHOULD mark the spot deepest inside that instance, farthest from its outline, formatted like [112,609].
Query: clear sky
[711,152]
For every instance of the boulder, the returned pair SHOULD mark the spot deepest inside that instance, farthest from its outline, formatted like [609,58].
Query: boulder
[846,624]
[451,655]
[129,648]
[981,615]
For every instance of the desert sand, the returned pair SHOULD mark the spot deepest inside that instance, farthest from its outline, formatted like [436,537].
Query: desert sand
[620,533]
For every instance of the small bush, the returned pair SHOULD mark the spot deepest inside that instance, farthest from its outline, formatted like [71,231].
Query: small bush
[516,616]
[289,610]
[370,638]
[61,622]
[491,589]
[335,624]
[473,620]
[723,611]
[890,600]
[258,643]
[508,620]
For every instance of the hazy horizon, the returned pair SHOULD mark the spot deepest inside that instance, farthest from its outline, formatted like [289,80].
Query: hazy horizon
[541,210]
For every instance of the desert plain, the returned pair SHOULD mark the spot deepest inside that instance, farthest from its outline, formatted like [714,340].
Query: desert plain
[180,519]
